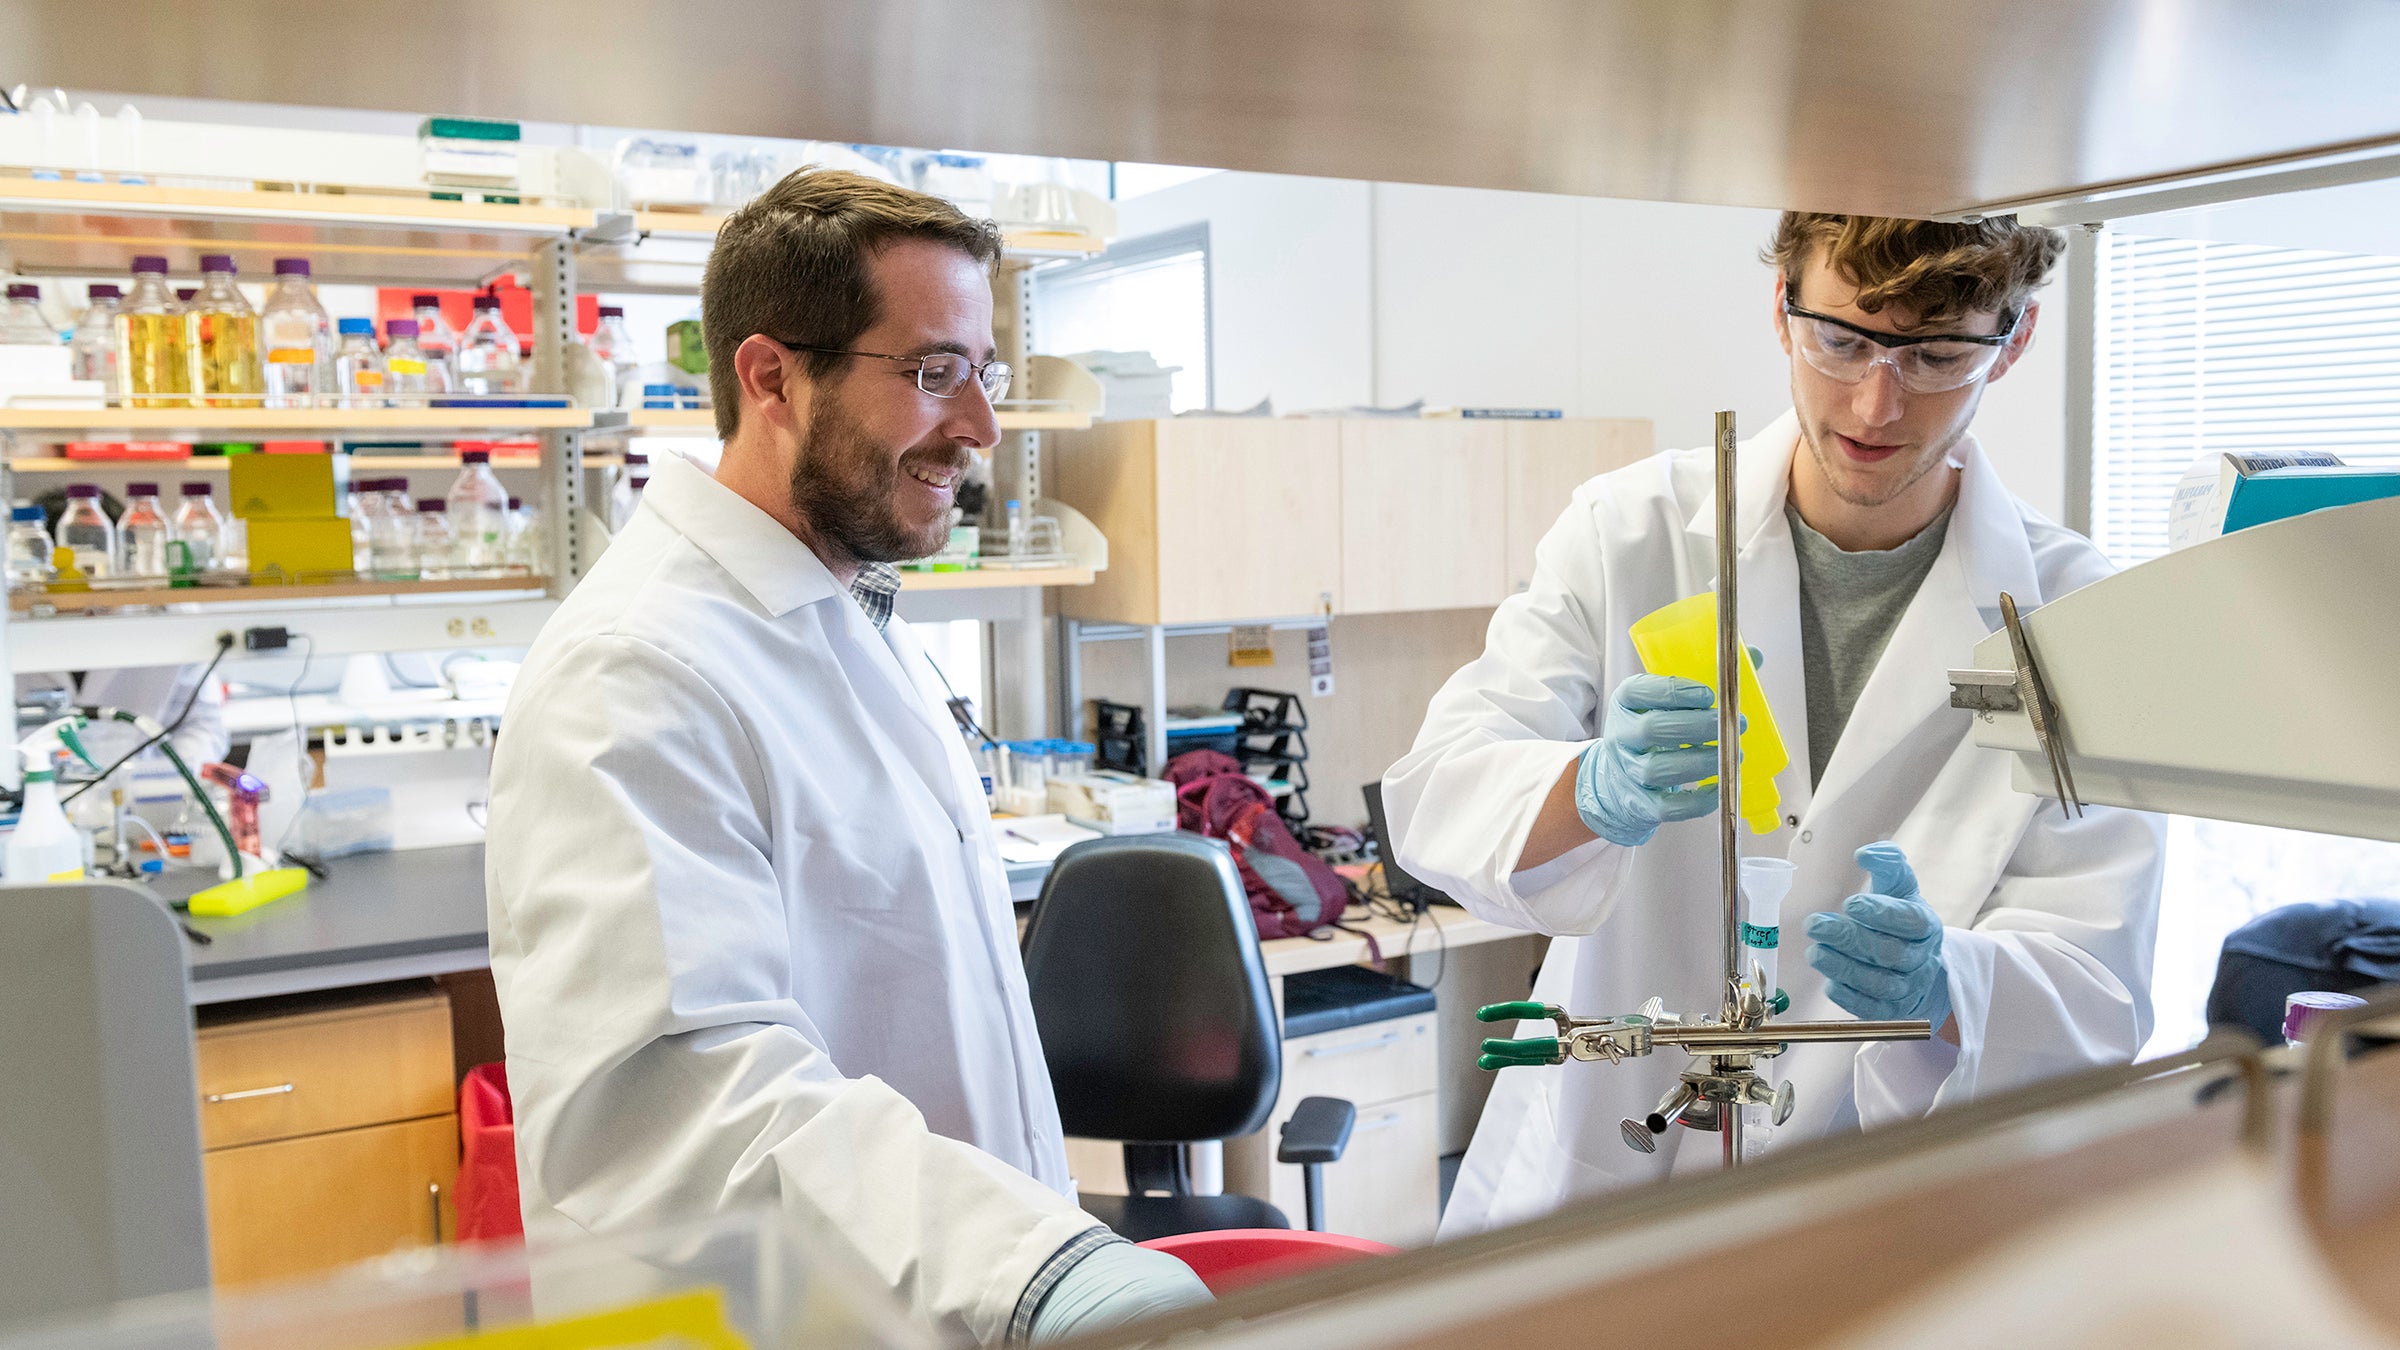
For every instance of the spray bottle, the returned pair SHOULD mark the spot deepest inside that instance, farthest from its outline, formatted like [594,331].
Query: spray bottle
[46,846]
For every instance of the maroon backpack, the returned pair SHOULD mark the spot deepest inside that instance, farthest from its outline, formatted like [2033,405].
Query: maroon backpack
[1292,892]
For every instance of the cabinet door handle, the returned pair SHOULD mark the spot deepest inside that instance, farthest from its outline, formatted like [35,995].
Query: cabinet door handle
[1383,1122]
[247,1093]
[1327,1051]
[433,1196]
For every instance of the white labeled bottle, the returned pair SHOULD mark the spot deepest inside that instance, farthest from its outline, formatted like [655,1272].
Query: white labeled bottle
[627,495]
[297,338]
[612,342]
[94,346]
[478,510]
[44,847]
[438,341]
[488,359]
[86,531]
[143,533]
[21,321]
[29,547]
[405,366]
[200,528]
[436,543]
[358,368]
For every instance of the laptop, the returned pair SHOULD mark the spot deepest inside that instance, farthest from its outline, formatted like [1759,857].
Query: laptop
[1404,889]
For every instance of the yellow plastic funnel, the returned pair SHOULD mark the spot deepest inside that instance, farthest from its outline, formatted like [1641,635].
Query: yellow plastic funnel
[1682,640]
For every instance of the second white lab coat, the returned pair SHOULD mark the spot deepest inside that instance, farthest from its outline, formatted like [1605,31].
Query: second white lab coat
[2049,921]
[750,929]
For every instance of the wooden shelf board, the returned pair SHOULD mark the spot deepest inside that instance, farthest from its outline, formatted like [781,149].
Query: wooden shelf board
[364,207]
[293,422]
[994,578]
[1061,419]
[109,601]
[701,421]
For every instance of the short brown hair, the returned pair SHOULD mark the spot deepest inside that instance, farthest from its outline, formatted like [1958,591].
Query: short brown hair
[792,264]
[1943,272]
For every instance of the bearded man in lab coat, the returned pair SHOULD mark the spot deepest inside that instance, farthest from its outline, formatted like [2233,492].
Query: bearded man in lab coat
[1553,784]
[752,937]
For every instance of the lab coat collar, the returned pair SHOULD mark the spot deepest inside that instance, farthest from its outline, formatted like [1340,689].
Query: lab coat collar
[1984,552]
[763,557]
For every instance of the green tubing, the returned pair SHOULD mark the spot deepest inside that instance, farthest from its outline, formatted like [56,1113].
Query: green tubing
[1511,1012]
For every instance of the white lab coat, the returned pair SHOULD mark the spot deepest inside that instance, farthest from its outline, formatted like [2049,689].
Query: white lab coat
[751,933]
[2049,921]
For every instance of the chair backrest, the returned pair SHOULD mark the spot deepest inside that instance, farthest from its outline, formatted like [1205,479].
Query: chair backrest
[100,1195]
[1152,1001]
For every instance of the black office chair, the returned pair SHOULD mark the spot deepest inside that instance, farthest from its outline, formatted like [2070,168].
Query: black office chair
[1159,1029]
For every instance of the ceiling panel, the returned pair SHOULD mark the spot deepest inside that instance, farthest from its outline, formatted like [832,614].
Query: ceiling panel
[1868,106]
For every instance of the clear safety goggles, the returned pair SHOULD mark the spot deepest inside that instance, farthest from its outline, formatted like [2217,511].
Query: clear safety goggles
[1932,364]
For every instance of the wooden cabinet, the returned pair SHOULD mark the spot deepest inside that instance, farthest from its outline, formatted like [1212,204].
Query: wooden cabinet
[329,1132]
[1208,519]
[1422,509]
[1388,1184]
[1545,463]
[1216,520]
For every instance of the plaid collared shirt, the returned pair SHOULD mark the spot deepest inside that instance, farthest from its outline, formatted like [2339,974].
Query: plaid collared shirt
[873,589]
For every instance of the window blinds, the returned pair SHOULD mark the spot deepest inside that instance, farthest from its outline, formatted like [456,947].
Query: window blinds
[2202,348]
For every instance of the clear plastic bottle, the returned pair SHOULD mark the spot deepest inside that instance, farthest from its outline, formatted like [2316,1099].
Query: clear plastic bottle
[29,547]
[201,528]
[220,339]
[439,342]
[613,344]
[359,507]
[391,528]
[358,368]
[478,508]
[21,321]
[488,360]
[94,346]
[86,530]
[298,338]
[142,533]
[525,538]
[149,327]
[405,365]
[1020,528]
[627,495]
[437,543]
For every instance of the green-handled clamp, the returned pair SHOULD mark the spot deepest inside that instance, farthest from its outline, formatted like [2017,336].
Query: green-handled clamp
[1501,1054]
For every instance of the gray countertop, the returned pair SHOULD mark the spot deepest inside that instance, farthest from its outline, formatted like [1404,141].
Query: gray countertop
[376,917]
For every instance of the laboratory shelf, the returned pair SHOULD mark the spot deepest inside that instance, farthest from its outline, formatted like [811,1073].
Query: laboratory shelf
[88,423]
[673,225]
[53,464]
[112,601]
[995,578]
[702,422]
[96,229]
[384,619]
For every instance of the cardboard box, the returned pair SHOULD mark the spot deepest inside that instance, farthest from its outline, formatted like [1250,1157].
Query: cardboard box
[300,549]
[288,487]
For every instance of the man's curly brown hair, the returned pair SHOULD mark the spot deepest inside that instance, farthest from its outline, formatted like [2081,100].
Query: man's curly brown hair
[1940,272]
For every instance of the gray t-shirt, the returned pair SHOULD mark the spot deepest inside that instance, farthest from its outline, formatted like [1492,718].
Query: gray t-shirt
[1849,605]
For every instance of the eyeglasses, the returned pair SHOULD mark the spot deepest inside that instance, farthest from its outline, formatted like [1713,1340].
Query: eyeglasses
[941,374]
[1933,364]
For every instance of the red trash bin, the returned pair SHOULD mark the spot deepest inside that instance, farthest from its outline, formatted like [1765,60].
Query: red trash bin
[1235,1258]
[487,1159]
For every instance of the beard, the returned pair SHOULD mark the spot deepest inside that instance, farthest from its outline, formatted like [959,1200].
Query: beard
[846,486]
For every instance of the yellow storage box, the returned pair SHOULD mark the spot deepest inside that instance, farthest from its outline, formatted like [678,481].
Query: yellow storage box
[286,487]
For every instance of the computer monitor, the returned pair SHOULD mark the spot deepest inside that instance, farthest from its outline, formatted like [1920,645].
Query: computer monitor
[1402,887]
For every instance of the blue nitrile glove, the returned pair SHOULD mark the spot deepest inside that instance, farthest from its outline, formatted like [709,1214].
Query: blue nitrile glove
[1659,738]
[1112,1285]
[1882,955]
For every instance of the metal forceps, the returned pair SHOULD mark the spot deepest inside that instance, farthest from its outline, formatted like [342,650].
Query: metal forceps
[2034,693]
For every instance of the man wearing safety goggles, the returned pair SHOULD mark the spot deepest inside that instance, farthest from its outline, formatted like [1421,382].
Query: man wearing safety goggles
[1557,787]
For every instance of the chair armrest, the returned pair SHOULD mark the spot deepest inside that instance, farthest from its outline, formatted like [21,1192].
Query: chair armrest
[1317,1132]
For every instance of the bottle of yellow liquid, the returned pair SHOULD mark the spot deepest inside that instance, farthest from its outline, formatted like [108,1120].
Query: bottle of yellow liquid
[151,366]
[1682,640]
[220,339]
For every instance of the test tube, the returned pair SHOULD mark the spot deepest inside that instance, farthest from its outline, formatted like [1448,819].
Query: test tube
[1765,881]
